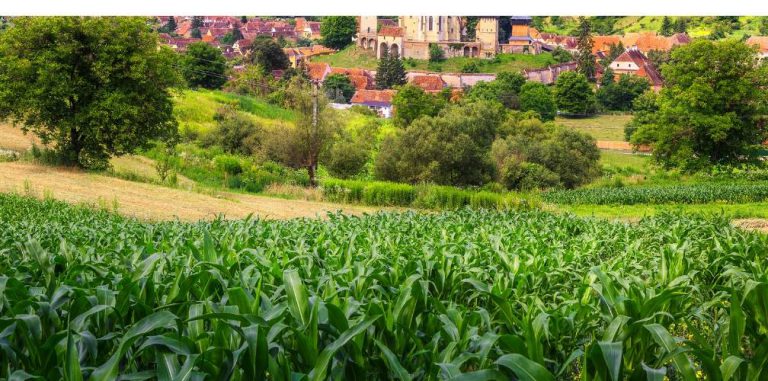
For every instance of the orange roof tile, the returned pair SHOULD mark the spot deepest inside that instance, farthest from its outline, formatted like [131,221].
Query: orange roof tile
[603,43]
[318,70]
[760,41]
[428,82]
[373,97]
[391,31]
[361,82]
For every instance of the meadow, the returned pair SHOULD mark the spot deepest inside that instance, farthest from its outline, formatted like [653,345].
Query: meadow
[353,57]
[464,295]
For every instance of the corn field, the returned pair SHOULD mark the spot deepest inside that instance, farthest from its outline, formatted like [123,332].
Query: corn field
[461,295]
[678,194]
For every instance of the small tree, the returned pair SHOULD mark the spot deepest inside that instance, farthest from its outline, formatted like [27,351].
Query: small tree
[436,53]
[681,26]
[338,88]
[268,54]
[574,95]
[390,71]
[204,66]
[584,57]
[337,31]
[96,86]
[196,33]
[237,35]
[537,97]
[170,26]
[620,95]
[197,21]
[561,55]
[667,29]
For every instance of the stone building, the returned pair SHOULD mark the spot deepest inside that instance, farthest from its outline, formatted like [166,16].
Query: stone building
[413,35]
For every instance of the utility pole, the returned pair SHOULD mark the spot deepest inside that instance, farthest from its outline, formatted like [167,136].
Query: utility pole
[313,144]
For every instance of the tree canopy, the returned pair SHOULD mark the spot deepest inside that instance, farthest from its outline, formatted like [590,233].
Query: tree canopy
[337,31]
[538,97]
[390,71]
[268,54]
[584,57]
[338,88]
[712,108]
[204,66]
[574,95]
[412,102]
[94,86]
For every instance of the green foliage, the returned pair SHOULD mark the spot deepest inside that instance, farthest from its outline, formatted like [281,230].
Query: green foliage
[268,55]
[95,86]
[412,102]
[436,53]
[574,95]
[543,155]
[676,194]
[584,57]
[538,97]
[561,55]
[483,295]
[204,66]
[712,109]
[505,89]
[390,72]
[337,31]
[620,95]
[470,67]
[169,27]
[450,148]
[338,88]
[234,132]
[645,108]
[667,29]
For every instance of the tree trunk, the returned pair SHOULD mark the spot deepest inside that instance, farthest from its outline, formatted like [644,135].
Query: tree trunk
[312,178]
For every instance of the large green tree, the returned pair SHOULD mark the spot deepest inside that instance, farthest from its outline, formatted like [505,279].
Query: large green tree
[574,94]
[204,66]
[538,97]
[94,86]
[505,89]
[450,148]
[266,53]
[712,109]
[584,56]
[620,95]
[337,31]
[412,102]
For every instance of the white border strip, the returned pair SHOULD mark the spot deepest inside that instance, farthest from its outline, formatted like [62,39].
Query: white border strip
[384,7]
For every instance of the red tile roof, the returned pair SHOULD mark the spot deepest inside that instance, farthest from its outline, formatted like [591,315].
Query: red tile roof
[760,41]
[391,31]
[318,70]
[373,97]
[428,82]
[361,82]
[646,68]
[603,43]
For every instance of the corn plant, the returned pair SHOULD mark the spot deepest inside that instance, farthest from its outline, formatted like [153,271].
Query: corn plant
[460,295]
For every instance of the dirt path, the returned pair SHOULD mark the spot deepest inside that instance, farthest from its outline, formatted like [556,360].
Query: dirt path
[619,146]
[754,224]
[153,202]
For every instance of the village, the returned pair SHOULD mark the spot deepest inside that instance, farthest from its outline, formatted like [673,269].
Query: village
[410,37]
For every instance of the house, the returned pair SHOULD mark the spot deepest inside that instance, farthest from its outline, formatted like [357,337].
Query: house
[360,78]
[307,29]
[522,36]
[317,71]
[634,62]
[761,42]
[647,41]
[549,74]
[604,43]
[377,100]
[242,46]
[429,83]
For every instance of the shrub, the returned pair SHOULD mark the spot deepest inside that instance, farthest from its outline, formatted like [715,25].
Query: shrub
[347,158]
[228,164]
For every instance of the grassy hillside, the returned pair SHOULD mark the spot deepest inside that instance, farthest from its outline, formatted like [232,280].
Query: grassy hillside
[194,109]
[354,57]
[697,26]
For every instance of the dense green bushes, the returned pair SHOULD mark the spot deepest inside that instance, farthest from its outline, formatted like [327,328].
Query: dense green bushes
[420,196]
[680,194]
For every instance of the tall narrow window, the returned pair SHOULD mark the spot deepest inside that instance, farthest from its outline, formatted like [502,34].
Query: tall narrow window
[430,23]
[439,23]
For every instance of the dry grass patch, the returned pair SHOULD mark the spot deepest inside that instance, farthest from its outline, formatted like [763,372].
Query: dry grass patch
[14,139]
[153,202]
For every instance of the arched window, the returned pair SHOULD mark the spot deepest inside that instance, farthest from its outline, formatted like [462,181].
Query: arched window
[430,23]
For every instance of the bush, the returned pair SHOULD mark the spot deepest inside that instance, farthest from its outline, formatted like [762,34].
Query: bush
[228,164]
[347,158]
[527,176]
[470,67]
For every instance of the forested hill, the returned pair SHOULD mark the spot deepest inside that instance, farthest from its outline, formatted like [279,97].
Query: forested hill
[715,27]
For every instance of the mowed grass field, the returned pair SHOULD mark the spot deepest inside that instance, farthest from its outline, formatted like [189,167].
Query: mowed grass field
[353,57]
[601,127]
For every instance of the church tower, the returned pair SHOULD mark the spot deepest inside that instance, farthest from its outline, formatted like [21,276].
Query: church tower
[487,34]
[367,31]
